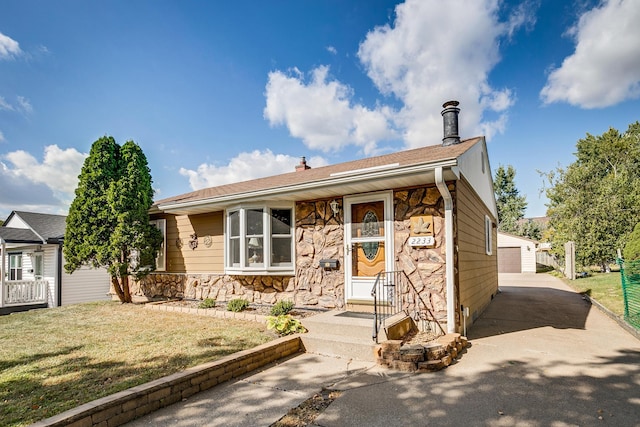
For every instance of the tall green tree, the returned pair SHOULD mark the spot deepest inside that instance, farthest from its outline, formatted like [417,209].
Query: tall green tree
[530,229]
[511,205]
[108,222]
[595,201]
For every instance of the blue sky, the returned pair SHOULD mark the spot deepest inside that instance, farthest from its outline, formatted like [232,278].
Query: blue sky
[216,92]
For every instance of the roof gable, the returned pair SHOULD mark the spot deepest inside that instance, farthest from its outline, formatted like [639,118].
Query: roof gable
[31,227]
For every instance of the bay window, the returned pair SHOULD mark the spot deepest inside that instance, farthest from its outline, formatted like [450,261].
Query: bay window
[259,240]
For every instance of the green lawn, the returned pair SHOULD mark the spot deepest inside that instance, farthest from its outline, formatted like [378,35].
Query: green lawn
[606,288]
[52,360]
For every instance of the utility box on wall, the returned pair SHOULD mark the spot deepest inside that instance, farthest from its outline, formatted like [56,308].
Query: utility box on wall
[329,264]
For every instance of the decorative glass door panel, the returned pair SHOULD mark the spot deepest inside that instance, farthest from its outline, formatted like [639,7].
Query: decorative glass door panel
[368,240]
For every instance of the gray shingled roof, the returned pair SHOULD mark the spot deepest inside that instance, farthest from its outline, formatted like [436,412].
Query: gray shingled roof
[43,227]
[18,235]
[46,225]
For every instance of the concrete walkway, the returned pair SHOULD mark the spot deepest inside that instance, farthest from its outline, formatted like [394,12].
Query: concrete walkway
[540,356]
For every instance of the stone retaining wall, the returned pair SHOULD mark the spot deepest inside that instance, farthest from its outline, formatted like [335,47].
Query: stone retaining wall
[221,287]
[430,357]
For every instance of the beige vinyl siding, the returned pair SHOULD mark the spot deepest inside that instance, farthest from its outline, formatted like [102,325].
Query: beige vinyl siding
[202,259]
[477,271]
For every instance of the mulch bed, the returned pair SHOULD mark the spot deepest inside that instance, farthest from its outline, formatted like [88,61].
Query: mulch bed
[306,413]
[261,309]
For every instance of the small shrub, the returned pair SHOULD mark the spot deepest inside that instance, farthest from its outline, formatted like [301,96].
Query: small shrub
[237,305]
[207,303]
[281,307]
[285,325]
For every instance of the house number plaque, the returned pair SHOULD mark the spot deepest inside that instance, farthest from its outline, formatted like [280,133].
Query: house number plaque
[421,241]
[421,231]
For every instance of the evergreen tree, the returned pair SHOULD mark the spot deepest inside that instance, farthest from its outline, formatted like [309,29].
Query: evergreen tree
[530,229]
[108,222]
[511,205]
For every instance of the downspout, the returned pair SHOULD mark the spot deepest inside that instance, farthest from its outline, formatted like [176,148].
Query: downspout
[449,256]
[59,278]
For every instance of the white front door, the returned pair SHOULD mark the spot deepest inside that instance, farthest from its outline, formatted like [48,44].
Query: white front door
[368,242]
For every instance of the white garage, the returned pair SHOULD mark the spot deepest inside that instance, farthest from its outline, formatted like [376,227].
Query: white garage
[516,254]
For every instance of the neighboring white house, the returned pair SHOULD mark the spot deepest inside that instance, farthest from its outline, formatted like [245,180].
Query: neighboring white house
[516,254]
[32,266]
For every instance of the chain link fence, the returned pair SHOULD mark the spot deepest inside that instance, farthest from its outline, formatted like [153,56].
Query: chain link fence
[630,274]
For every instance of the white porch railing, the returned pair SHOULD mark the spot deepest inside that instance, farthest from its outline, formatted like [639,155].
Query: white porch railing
[19,292]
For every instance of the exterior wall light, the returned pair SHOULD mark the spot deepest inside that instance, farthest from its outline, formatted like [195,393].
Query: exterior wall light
[335,207]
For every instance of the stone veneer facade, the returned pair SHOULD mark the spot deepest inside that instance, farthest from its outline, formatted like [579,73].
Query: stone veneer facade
[319,234]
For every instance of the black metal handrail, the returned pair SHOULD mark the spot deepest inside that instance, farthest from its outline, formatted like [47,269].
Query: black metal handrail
[391,292]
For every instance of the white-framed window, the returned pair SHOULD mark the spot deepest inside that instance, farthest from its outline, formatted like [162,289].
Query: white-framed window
[488,235]
[15,266]
[259,239]
[161,264]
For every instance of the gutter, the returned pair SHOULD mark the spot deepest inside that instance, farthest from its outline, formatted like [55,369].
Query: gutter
[448,235]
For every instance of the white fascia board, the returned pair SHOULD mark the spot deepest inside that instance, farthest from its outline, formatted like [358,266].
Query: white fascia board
[366,175]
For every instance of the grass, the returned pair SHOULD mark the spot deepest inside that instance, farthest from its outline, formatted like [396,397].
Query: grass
[52,360]
[606,288]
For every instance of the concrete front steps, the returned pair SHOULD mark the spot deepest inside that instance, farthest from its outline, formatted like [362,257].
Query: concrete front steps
[341,334]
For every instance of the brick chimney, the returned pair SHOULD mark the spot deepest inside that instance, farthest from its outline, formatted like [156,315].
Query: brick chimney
[450,121]
[303,165]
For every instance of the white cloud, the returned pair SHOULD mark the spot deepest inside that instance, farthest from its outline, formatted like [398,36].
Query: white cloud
[332,50]
[58,172]
[320,111]
[9,48]
[1,136]
[24,105]
[604,69]
[4,105]
[423,60]
[245,166]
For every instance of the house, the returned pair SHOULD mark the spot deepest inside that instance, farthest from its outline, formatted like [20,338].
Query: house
[31,266]
[516,254]
[321,236]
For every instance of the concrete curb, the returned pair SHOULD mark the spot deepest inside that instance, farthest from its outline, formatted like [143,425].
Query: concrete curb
[127,405]
[619,320]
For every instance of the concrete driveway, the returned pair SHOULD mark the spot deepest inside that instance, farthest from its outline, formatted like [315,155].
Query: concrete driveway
[540,355]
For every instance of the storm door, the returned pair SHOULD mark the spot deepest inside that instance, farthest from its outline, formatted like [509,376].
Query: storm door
[368,239]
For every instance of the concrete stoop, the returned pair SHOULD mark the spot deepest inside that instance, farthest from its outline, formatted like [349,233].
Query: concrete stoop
[339,334]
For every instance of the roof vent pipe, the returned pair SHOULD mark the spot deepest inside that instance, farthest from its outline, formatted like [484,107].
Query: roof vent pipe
[302,166]
[450,121]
